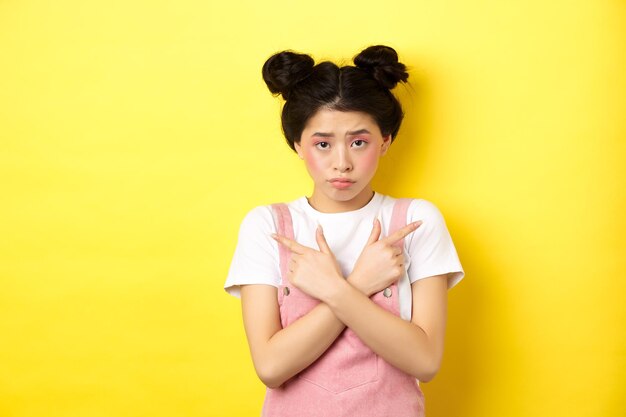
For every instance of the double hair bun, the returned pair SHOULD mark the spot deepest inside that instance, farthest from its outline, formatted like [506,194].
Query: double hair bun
[382,63]
[284,70]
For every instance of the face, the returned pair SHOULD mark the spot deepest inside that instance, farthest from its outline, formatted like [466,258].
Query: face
[341,151]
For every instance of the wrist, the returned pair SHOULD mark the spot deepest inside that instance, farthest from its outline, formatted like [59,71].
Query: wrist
[354,280]
[337,291]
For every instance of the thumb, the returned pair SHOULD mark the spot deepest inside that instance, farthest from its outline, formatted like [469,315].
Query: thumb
[375,233]
[321,240]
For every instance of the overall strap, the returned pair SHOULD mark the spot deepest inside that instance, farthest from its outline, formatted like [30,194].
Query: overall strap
[284,226]
[398,217]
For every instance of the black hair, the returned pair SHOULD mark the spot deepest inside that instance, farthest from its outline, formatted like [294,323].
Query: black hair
[364,87]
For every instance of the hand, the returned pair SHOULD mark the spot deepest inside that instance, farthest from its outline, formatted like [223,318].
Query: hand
[314,272]
[381,263]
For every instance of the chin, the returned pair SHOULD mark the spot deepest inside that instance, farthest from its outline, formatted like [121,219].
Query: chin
[343,195]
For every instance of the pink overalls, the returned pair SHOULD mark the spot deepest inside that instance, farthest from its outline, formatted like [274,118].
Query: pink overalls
[349,379]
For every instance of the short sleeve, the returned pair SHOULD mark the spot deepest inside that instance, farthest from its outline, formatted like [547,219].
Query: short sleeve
[256,259]
[430,247]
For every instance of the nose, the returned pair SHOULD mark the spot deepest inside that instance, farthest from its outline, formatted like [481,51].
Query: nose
[343,162]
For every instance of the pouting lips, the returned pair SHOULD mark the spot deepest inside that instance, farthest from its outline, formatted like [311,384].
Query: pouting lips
[341,184]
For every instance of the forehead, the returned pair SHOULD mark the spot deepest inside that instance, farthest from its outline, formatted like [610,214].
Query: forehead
[341,121]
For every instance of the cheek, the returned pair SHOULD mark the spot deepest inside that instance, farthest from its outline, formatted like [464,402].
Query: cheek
[369,160]
[313,163]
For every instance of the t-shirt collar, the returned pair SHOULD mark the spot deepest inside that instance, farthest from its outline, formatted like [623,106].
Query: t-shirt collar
[370,208]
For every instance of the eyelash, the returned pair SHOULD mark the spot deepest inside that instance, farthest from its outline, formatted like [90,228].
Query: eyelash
[357,140]
[317,145]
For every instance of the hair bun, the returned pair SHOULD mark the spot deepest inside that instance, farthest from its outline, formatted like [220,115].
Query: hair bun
[382,63]
[283,70]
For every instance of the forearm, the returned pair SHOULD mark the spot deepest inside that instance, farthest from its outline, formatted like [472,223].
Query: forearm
[401,343]
[293,348]
[296,346]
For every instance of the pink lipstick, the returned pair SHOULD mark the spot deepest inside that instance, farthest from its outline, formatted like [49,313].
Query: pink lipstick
[341,183]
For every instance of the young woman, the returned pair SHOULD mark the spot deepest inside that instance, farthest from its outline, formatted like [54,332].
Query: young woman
[344,292]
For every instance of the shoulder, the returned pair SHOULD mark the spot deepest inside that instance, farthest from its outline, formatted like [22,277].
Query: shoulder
[431,249]
[433,227]
[258,219]
[258,214]
[263,218]
[421,209]
[255,260]
[418,208]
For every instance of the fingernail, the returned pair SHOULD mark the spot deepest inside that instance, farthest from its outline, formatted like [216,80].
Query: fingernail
[320,227]
[274,235]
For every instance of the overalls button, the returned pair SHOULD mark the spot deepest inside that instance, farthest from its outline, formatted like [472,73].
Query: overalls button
[286,290]
[387,292]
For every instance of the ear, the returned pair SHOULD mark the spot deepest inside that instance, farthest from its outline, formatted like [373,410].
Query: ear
[386,144]
[298,149]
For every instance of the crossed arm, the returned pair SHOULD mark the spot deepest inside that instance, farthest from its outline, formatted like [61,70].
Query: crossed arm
[414,346]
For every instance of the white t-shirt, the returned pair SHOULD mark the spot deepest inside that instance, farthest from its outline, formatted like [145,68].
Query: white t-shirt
[428,250]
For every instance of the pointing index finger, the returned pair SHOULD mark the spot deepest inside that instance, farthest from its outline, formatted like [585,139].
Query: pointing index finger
[403,232]
[292,245]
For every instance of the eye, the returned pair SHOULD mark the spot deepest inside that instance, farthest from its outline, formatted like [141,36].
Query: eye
[322,145]
[359,143]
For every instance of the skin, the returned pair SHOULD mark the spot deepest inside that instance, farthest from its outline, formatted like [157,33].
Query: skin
[414,346]
[330,149]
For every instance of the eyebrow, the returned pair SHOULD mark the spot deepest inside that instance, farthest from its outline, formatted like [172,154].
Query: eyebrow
[330,135]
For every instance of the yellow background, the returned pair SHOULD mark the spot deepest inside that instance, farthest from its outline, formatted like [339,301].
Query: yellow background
[135,135]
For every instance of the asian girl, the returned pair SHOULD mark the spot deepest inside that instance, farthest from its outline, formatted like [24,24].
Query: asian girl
[344,292]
